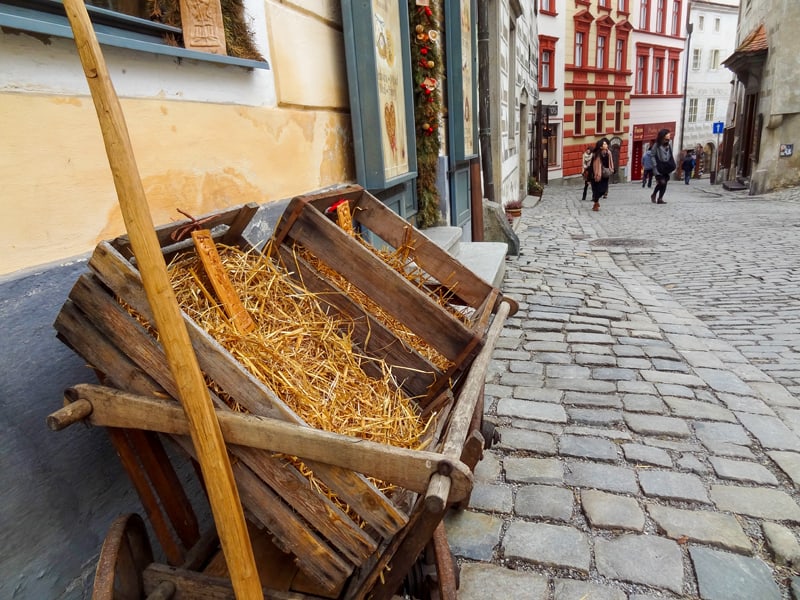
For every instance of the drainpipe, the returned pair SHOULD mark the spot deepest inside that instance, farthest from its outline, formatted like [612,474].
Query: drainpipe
[689,28]
[484,100]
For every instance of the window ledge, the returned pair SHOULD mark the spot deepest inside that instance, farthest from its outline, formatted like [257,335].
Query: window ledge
[34,21]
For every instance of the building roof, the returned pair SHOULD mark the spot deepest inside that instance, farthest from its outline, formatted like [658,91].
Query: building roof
[756,40]
[753,46]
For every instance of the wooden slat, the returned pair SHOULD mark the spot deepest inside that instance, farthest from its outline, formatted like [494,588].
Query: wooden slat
[174,551]
[314,556]
[226,372]
[206,251]
[190,585]
[159,469]
[410,469]
[234,220]
[414,374]
[115,323]
[395,294]
[461,418]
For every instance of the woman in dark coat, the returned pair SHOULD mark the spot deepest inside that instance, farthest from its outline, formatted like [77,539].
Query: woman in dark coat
[601,169]
[663,163]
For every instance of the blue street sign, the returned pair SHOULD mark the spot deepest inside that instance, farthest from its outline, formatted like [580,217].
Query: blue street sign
[719,126]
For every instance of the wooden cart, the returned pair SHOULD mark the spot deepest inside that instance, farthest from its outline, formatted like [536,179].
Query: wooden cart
[306,546]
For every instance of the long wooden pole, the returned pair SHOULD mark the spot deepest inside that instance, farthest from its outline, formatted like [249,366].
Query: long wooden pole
[205,430]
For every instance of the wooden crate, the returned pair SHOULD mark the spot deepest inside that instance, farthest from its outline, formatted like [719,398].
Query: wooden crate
[305,224]
[339,556]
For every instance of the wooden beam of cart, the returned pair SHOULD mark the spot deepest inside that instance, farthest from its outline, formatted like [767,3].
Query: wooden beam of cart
[409,469]
[206,436]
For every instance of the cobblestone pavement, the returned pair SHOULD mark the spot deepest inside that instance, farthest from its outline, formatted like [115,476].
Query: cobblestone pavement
[648,398]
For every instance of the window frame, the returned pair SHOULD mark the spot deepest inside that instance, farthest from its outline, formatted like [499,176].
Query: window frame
[619,116]
[579,109]
[644,15]
[676,18]
[642,72]
[601,56]
[658,67]
[600,117]
[697,58]
[711,108]
[714,60]
[672,76]
[578,58]
[691,110]
[547,44]
[48,17]
[660,15]
[549,9]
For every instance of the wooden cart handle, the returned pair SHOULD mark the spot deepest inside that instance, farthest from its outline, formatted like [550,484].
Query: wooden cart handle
[205,431]
[439,488]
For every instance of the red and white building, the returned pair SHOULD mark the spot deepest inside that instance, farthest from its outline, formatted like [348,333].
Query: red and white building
[609,68]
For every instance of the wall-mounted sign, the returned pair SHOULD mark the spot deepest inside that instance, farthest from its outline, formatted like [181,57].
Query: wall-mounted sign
[381,104]
[552,110]
[786,150]
[647,132]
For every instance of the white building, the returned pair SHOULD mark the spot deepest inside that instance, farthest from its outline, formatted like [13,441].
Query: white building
[708,88]
[513,47]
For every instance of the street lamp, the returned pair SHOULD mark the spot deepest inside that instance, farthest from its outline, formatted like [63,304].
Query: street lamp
[689,28]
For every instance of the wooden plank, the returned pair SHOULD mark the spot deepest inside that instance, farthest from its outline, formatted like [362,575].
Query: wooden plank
[165,481]
[431,258]
[226,224]
[314,556]
[190,585]
[395,294]
[473,387]
[410,469]
[236,227]
[127,452]
[461,417]
[206,251]
[412,371]
[192,392]
[257,398]
[127,335]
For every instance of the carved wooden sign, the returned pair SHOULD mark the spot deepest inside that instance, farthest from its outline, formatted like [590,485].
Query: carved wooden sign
[201,21]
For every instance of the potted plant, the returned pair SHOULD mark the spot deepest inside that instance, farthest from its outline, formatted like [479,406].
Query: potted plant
[513,209]
[534,187]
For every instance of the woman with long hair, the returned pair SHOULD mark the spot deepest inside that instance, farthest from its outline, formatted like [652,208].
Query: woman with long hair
[602,167]
[663,164]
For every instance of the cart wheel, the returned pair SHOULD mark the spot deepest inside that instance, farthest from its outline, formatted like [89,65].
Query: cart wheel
[490,434]
[125,554]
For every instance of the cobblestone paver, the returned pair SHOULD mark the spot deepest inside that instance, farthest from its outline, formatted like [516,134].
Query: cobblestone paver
[647,395]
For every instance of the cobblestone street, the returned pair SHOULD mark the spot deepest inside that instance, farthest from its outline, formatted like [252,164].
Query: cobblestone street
[648,398]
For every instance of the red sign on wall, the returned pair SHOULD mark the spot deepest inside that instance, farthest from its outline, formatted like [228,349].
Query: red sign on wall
[648,131]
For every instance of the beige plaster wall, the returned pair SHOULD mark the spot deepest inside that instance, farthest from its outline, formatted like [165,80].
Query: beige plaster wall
[58,199]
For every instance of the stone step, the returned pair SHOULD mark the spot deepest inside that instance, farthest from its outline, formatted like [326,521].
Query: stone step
[485,259]
[445,237]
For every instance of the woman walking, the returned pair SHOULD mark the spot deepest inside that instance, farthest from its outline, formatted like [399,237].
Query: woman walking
[602,167]
[663,163]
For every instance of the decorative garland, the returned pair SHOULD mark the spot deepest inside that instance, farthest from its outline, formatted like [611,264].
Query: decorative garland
[426,69]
